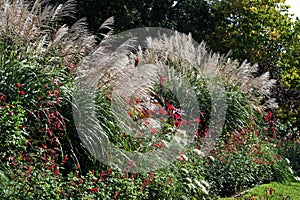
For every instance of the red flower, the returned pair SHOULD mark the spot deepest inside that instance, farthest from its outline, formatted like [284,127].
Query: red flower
[152,175]
[163,80]
[138,101]
[170,107]
[66,158]
[73,184]
[154,131]
[271,191]
[144,184]
[56,172]
[71,66]
[102,174]
[50,133]
[18,85]
[94,189]
[116,195]
[44,146]
[10,158]
[22,92]
[78,166]
[129,113]
[177,123]
[136,61]
[177,116]
[197,120]
[170,181]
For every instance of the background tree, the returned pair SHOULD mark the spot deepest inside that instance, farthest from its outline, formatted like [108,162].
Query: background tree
[262,32]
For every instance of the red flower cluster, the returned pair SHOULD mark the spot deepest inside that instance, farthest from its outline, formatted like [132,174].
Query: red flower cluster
[116,194]
[94,190]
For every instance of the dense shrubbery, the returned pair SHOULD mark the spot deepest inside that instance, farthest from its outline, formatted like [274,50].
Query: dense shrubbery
[43,157]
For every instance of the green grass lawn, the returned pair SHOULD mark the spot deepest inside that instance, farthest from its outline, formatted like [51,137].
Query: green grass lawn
[286,191]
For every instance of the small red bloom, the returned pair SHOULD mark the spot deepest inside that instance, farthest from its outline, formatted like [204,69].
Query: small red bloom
[10,158]
[66,158]
[170,181]
[152,175]
[22,92]
[163,80]
[102,174]
[50,133]
[129,113]
[116,195]
[94,189]
[18,85]
[177,123]
[73,184]
[136,61]
[170,107]
[177,116]
[154,131]
[138,101]
[271,191]
[71,66]
[56,172]
[197,120]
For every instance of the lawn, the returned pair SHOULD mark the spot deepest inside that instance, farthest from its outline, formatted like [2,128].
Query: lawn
[280,191]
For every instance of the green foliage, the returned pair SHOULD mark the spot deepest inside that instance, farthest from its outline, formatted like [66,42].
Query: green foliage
[176,15]
[254,30]
[12,129]
[262,32]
